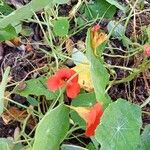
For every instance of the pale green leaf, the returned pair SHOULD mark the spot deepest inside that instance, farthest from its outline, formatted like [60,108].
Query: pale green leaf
[78,56]
[120,125]
[36,87]
[52,129]
[118,29]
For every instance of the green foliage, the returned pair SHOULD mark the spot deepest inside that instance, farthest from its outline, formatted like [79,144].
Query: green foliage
[85,99]
[82,100]
[27,11]
[5,9]
[146,138]
[4,144]
[60,1]
[98,8]
[71,147]
[100,76]
[26,31]
[78,56]
[32,101]
[116,3]
[148,33]
[118,29]
[120,126]
[61,26]
[2,88]
[7,33]
[52,129]
[36,87]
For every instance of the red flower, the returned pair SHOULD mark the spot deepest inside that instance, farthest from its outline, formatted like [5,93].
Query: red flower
[147,49]
[91,116]
[93,119]
[65,77]
[95,28]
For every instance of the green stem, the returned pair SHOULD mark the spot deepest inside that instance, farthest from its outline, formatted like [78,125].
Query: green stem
[142,68]
[2,88]
[147,101]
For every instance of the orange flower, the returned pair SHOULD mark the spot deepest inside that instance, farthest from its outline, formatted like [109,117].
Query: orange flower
[61,78]
[97,37]
[91,115]
[147,49]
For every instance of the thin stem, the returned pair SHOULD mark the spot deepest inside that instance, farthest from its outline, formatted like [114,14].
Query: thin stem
[147,101]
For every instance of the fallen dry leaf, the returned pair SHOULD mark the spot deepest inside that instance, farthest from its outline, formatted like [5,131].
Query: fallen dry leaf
[16,41]
[85,80]
[12,114]
[69,45]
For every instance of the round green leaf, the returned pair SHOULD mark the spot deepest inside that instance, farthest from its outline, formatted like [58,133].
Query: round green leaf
[120,126]
[61,26]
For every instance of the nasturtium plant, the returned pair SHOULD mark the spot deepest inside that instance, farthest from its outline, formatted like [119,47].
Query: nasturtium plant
[148,33]
[4,145]
[36,87]
[117,4]
[7,33]
[96,9]
[32,101]
[120,126]
[100,8]
[99,73]
[5,9]
[118,29]
[145,138]
[71,147]
[82,100]
[52,129]
[61,26]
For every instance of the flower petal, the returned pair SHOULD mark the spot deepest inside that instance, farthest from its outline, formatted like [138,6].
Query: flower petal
[147,49]
[95,28]
[72,90]
[54,83]
[66,73]
[93,119]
